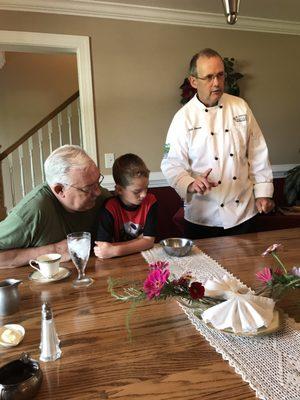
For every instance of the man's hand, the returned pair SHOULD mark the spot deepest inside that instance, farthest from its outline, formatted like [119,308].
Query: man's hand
[264,204]
[201,184]
[104,250]
[62,248]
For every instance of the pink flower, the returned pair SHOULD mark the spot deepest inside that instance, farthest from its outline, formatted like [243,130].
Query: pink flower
[271,248]
[155,281]
[265,275]
[196,290]
[158,265]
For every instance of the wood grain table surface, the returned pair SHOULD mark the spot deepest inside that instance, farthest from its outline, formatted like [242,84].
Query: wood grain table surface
[167,358]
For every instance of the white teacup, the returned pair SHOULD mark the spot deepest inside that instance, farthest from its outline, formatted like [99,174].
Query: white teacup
[47,264]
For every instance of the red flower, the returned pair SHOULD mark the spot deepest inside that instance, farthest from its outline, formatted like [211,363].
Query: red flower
[196,290]
[180,282]
[158,265]
[278,272]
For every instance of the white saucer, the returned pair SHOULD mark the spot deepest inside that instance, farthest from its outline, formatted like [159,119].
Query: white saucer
[16,328]
[62,273]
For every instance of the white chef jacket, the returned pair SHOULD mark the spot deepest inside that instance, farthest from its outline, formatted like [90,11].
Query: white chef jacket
[227,139]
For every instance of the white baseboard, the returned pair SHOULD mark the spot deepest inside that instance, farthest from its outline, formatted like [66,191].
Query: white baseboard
[158,180]
[279,171]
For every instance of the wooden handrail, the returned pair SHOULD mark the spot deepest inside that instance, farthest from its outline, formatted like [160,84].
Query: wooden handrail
[38,126]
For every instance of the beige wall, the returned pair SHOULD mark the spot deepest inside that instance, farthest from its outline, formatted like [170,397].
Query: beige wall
[31,86]
[138,68]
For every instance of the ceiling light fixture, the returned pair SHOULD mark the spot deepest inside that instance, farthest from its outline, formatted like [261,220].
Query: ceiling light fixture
[231,9]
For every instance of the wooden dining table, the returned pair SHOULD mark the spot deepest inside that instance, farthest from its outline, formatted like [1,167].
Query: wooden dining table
[167,358]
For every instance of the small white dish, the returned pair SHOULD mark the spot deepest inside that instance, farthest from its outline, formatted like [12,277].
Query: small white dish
[62,273]
[14,331]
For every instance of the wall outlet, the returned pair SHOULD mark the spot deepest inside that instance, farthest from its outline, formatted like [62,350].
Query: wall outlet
[109,159]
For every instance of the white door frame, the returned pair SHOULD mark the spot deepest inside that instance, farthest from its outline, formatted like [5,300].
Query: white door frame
[34,42]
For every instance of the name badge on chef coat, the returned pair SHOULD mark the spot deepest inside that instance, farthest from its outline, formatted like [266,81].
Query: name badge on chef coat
[240,118]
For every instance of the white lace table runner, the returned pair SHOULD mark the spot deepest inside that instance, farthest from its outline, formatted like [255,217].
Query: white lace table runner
[271,363]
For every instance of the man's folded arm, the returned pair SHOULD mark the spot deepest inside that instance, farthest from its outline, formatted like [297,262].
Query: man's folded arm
[18,257]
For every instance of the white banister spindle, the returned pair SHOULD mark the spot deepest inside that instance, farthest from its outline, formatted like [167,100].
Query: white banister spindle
[20,151]
[11,179]
[69,116]
[30,147]
[24,167]
[79,123]
[50,132]
[59,124]
[40,134]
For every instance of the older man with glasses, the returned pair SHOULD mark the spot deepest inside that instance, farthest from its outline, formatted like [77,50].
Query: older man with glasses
[68,202]
[216,157]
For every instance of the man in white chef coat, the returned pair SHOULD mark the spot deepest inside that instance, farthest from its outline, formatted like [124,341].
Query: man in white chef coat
[216,157]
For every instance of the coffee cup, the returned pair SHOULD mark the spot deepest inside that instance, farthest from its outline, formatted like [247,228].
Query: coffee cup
[47,264]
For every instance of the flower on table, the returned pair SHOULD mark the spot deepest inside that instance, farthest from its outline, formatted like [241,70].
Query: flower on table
[273,251]
[160,284]
[196,290]
[271,248]
[158,265]
[155,281]
[184,280]
[296,271]
[277,280]
[265,275]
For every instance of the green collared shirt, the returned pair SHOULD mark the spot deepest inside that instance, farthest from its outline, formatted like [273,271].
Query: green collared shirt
[40,219]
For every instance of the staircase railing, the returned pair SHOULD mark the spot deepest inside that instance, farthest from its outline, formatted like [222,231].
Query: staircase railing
[21,164]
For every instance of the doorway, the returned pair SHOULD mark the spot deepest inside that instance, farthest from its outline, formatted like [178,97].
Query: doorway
[32,42]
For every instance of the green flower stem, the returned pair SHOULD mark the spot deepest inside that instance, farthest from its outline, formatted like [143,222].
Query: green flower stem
[294,282]
[279,261]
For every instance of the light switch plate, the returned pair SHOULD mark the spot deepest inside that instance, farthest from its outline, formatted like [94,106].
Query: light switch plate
[109,159]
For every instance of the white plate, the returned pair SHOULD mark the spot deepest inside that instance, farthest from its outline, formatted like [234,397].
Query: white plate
[16,328]
[275,325]
[62,273]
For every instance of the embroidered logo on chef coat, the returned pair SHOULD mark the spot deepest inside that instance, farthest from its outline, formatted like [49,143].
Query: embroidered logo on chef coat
[166,149]
[240,118]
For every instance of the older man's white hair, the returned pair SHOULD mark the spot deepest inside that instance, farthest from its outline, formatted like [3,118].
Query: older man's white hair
[59,163]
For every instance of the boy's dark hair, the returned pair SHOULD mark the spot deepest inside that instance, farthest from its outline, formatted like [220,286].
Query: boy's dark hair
[127,167]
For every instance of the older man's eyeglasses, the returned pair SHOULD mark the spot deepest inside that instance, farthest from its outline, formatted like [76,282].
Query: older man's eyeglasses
[209,78]
[89,188]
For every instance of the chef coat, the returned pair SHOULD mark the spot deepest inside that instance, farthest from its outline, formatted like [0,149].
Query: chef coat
[227,139]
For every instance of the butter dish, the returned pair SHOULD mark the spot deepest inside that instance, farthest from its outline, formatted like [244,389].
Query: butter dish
[11,335]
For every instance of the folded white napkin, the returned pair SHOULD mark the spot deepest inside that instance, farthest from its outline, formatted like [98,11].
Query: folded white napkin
[223,288]
[242,312]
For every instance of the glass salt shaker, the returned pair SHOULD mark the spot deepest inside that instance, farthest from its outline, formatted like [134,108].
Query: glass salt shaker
[50,350]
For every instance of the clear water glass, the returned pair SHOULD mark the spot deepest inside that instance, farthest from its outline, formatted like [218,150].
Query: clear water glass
[79,245]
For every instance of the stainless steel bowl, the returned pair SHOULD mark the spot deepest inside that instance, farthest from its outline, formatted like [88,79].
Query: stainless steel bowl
[177,247]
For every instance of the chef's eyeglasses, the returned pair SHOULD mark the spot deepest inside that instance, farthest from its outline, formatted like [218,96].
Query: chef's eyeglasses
[89,188]
[209,78]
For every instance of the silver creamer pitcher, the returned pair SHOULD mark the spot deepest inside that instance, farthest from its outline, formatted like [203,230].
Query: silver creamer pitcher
[9,296]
